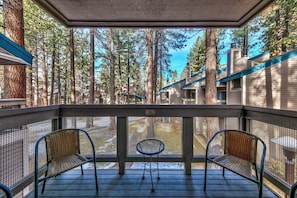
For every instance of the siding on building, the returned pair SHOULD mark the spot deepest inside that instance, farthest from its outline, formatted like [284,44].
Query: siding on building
[275,86]
[174,93]
[259,81]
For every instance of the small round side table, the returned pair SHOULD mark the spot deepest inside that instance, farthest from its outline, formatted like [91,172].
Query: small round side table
[148,148]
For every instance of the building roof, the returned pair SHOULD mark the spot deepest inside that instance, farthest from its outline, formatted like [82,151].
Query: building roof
[173,84]
[13,54]
[260,66]
[191,84]
[245,72]
[153,13]
[248,71]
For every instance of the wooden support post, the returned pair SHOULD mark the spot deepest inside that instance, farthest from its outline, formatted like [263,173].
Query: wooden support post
[122,134]
[187,138]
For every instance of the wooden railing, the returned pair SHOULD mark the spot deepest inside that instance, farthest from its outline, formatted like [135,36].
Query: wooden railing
[12,103]
[15,118]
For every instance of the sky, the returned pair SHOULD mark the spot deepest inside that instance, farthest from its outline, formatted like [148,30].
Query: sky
[179,57]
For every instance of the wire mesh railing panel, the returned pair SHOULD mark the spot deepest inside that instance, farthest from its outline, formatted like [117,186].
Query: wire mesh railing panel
[12,142]
[17,151]
[281,150]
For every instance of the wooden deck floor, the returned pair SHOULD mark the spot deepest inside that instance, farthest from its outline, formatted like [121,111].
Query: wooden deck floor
[173,183]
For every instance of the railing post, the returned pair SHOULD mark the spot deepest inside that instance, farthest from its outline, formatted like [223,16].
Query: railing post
[122,131]
[56,124]
[244,124]
[187,136]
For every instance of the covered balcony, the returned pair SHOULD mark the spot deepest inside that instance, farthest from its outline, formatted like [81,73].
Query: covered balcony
[180,127]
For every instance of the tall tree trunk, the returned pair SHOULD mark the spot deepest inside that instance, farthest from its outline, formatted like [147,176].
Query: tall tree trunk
[112,125]
[30,83]
[72,75]
[279,32]
[66,98]
[45,77]
[30,88]
[150,80]
[14,76]
[210,66]
[72,68]
[211,54]
[92,76]
[53,74]
[245,41]
[149,67]
[155,65]
[59,79]
[128,73]
[36,77]
[161,70]
[285,28]
[120,97]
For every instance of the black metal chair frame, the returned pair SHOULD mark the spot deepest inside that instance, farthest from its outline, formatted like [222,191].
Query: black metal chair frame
[6,190]
[258,168]
[293,190]
[46,176]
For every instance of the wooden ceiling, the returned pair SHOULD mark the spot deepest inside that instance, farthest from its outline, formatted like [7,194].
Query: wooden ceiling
[153,13]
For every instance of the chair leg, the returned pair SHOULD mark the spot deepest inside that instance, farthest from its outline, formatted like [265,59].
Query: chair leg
[158,166]
[152,182]
[43,185]
[259,182]
[144,166]
[205,174]
[223,172]
[260,189]
[82,170]
[256,172]
[95,172]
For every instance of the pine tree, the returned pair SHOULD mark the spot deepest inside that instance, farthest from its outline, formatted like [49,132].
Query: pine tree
[196,56]
[14,76]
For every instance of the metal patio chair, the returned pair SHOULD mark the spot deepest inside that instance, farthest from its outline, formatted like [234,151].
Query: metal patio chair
[63,154]
[237,151]
[293,190]
[6,190]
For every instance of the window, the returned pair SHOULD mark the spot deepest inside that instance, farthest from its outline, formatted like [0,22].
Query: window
[164,95]
[236,84]
[190,94]
[221,97]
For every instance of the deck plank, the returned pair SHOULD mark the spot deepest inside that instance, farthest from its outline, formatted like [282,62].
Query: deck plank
[173,183]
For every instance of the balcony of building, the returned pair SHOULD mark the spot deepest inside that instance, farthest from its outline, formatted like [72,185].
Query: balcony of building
[181,127]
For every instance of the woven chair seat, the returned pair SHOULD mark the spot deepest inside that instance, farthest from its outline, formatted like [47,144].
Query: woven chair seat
[234,164]
[64,164]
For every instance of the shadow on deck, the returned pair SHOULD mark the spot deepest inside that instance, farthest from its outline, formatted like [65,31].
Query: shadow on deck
[173,183]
